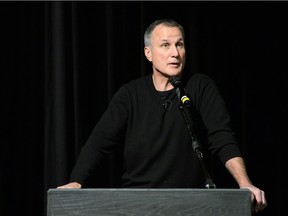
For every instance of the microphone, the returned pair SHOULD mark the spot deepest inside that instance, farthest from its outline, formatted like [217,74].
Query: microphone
[184,99]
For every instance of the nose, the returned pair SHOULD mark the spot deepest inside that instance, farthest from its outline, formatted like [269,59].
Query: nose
[174,51]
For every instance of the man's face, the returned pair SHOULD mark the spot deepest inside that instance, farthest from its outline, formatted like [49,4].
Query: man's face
[167,51]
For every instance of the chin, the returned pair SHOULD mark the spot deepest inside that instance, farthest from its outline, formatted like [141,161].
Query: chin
[170,73]
[179,73]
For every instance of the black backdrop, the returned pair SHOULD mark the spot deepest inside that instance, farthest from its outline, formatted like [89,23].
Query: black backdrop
[61,62]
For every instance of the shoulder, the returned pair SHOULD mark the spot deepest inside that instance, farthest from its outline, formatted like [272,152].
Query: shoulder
[199,77]
[198,80]
[136,82]
[135,86]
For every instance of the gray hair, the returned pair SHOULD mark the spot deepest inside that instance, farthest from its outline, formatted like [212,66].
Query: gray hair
[165,22]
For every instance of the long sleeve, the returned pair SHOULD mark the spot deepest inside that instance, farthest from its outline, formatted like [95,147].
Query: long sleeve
[107,133]
[214,116]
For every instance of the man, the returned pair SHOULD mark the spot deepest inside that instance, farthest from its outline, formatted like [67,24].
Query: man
[145,115]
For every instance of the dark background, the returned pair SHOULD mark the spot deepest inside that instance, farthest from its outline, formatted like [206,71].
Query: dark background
[61,62]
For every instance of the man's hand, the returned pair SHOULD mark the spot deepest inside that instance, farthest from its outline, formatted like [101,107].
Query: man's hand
[258,198]
[71,185]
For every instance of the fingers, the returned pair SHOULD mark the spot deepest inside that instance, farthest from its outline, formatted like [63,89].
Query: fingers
[72,185]
[258,198]
[65,186]
[260,201]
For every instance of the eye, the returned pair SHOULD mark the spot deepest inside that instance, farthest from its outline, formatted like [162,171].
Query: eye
[165,45]
[180,44]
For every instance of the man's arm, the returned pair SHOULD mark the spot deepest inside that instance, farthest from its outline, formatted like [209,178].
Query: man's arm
[237,169]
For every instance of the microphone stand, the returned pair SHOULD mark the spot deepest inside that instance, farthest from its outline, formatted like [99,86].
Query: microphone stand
[196,145]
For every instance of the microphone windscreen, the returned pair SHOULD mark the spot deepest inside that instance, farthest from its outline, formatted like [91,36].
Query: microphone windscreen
[175,81]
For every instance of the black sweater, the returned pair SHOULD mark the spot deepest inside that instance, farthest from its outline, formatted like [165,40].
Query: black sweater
[157,149]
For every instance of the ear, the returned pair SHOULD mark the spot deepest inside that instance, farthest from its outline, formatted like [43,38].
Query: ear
[148,53]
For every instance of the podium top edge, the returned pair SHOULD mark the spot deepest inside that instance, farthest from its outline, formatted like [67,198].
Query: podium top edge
[149,189]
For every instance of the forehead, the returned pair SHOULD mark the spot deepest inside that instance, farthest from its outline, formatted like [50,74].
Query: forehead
[162,32]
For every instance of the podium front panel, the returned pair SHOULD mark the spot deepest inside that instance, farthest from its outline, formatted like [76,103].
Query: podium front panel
[148,202]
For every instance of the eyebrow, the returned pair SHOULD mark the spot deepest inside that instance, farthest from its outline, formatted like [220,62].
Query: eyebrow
[179,40]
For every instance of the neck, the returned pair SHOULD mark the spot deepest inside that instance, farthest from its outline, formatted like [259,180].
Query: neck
[161,83]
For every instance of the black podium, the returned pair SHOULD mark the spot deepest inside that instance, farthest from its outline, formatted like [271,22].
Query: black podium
[148,202]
